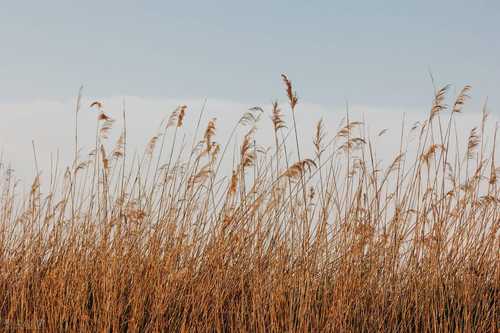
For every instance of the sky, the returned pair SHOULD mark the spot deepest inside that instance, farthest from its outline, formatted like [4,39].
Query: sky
[374,55]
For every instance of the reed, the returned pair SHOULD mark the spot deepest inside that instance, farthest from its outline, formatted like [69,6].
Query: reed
[326,243]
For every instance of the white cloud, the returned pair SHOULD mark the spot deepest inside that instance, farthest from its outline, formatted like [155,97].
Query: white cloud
[51,125]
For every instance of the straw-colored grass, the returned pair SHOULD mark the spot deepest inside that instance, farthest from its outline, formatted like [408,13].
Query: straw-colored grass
[169,241]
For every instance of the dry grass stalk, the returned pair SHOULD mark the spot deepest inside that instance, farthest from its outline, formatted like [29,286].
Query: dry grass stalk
[410,247]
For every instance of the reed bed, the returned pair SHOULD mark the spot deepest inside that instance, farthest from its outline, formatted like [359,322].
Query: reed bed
[173,240]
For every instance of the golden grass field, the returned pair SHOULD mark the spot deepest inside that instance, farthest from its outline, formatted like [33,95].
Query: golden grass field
[169,241]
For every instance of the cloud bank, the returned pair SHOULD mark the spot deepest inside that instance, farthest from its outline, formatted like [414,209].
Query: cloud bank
[50,125]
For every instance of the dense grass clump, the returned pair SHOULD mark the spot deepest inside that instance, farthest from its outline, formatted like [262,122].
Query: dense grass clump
[173,240]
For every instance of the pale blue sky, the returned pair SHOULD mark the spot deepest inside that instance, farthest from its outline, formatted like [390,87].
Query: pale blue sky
[158,54]
[373,53]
